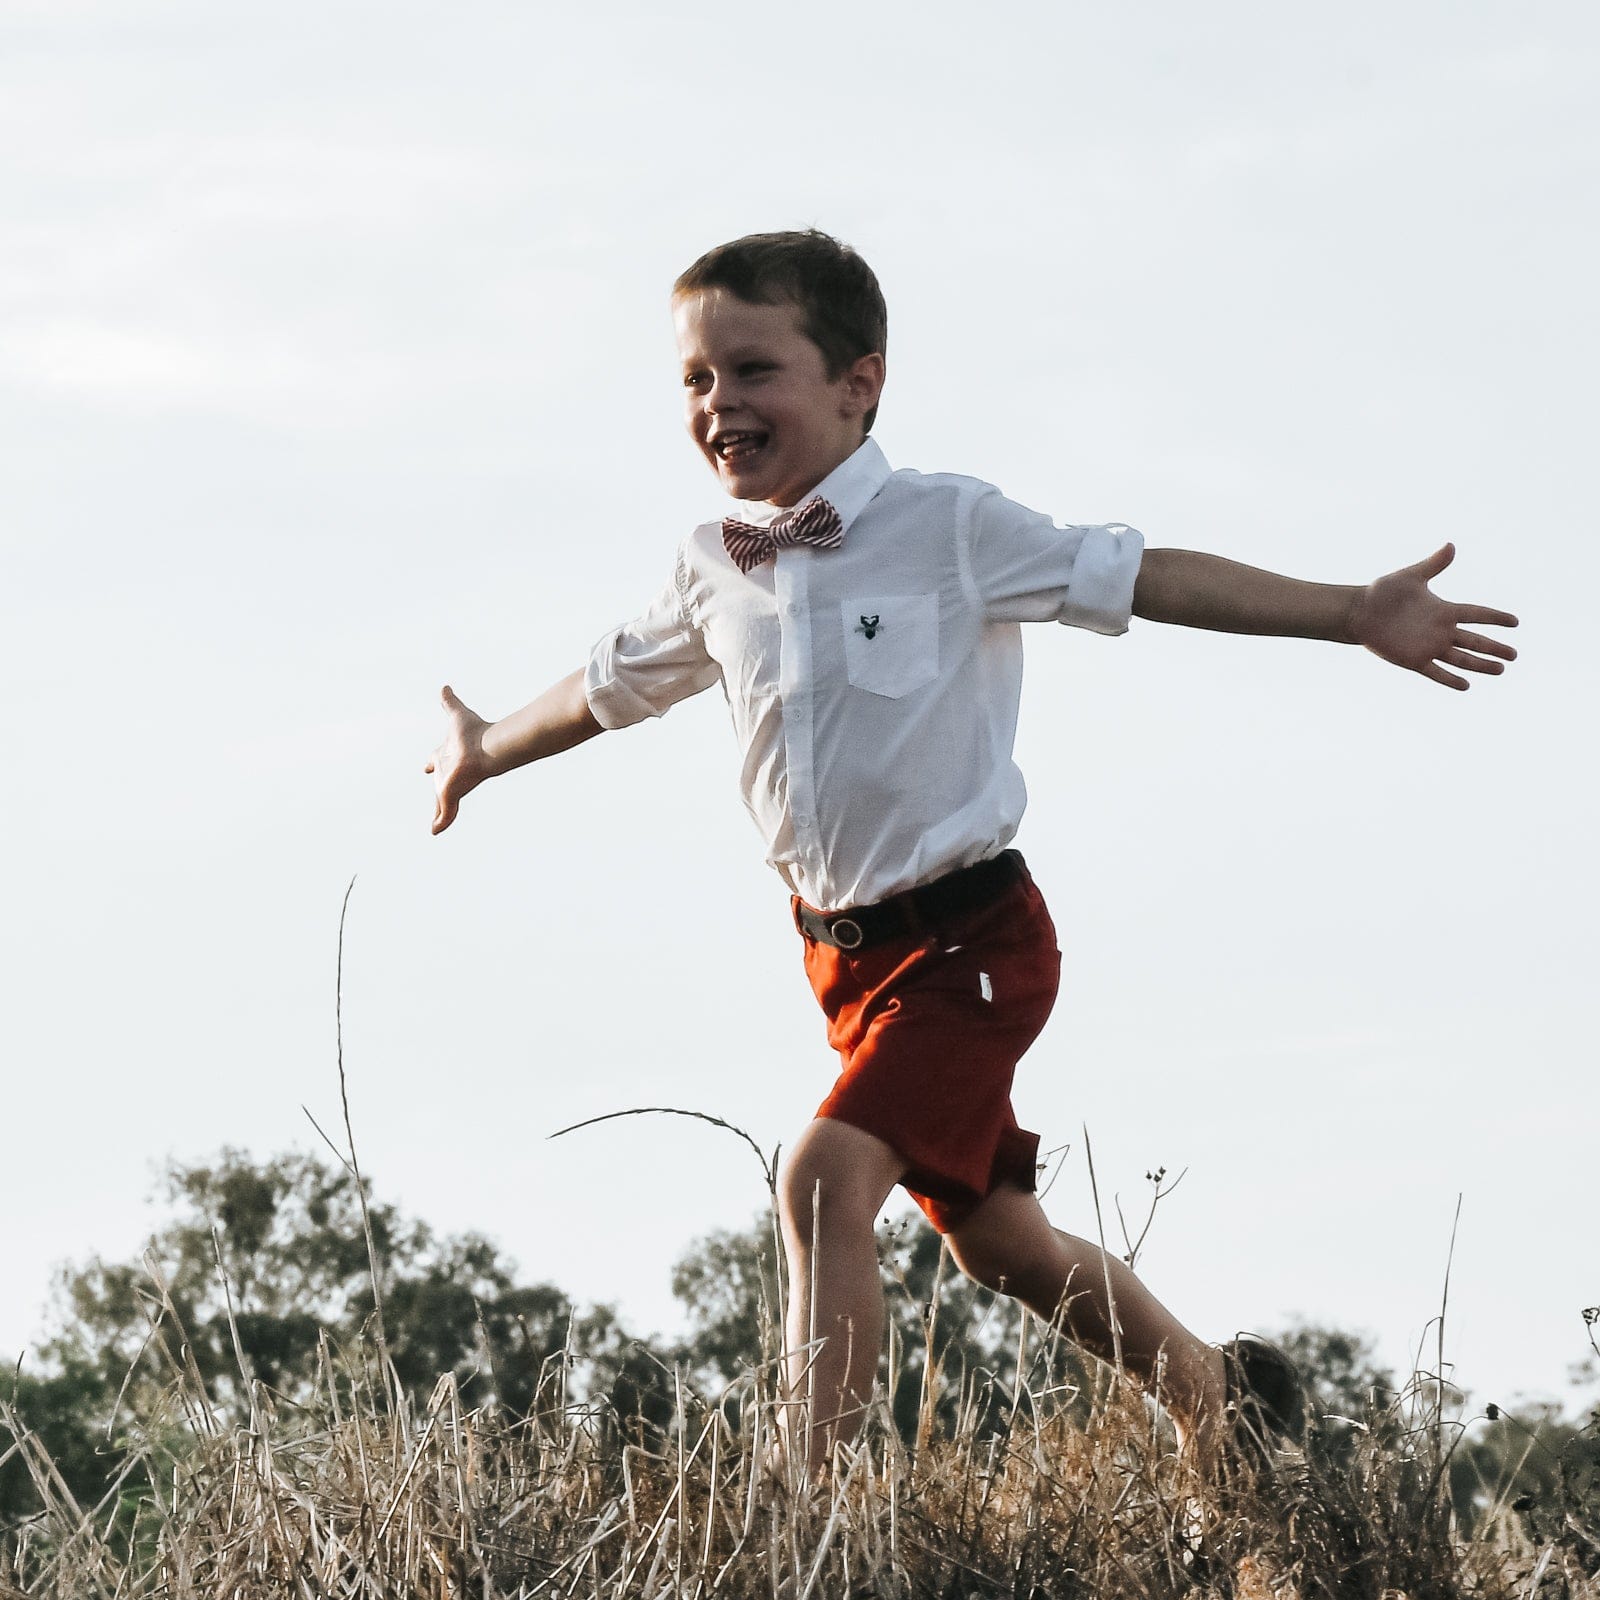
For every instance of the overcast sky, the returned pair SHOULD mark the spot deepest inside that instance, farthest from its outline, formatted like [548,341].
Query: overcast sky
[335,364]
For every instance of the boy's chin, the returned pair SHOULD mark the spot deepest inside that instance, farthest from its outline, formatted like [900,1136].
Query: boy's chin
[762,484]
[747,482]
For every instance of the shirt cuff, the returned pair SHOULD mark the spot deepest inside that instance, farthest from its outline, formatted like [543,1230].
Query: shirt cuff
[612,702]
[1100,590]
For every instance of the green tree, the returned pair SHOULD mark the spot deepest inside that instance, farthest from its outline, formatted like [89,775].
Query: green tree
[274,1255]
[60,1407]
[728,1284]
[1349,1392]
[1533,1459]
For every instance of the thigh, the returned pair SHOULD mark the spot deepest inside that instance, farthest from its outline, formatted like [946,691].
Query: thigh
[850,1170]
[1006,1241]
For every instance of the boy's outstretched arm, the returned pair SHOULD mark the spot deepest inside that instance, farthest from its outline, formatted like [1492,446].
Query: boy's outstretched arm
[474,749]
[1396,616]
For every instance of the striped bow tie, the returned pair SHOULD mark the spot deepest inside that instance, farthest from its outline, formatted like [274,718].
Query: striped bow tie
[815,523]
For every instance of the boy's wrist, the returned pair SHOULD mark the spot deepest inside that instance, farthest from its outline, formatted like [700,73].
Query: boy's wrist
[557,720]
[494,746]
[1350,624]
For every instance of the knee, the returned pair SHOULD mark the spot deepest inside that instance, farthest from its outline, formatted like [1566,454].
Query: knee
[833,1183]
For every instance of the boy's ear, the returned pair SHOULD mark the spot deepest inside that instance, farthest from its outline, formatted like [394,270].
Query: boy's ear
[863,383]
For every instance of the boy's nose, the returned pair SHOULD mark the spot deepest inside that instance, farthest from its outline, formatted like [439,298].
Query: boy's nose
[721,396]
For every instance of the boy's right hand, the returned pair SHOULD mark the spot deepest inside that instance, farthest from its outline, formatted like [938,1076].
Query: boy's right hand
[460,764]
[474,749]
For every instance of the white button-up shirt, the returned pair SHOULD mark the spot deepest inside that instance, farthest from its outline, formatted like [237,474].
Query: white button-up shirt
[874,688]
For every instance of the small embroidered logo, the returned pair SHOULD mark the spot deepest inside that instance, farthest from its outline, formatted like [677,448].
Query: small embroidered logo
[869,626]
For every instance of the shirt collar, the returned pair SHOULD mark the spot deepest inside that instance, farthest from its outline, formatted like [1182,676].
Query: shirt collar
[847,488]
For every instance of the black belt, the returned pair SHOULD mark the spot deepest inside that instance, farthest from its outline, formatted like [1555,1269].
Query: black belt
[913,911]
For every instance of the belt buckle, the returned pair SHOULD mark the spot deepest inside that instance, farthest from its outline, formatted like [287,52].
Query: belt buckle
[846,933]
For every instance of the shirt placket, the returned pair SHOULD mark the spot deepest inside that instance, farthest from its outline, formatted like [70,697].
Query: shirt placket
[791,588]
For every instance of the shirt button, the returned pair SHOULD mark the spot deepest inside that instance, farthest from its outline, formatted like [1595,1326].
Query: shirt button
[793,610]
[802,820]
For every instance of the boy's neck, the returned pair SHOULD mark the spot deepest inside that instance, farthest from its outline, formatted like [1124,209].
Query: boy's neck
[788,503]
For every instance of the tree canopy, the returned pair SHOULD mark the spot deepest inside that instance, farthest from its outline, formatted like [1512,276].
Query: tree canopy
[263,1272]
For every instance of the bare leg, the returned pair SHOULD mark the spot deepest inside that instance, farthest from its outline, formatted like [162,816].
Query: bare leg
[1008,1244]
[833,1186]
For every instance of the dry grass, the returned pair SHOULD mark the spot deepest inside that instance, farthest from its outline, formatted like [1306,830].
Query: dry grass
[1049,1492]
[1074,1494]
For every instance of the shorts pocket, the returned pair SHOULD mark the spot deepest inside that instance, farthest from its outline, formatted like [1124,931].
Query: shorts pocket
[891,642]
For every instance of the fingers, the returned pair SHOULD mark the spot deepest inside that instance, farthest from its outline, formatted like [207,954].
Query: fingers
[460,713]
[450,785]
[1471,663]
[1484,645]
[1498,619]
[1436,563]
[447,805]
[1439,675]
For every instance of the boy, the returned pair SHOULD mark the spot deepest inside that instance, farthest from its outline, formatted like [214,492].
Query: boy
[864,626]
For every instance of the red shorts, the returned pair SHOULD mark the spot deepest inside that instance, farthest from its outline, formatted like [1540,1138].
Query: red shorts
[930,1028]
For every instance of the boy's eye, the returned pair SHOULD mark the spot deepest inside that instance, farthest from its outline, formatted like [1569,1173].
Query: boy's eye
[702,380]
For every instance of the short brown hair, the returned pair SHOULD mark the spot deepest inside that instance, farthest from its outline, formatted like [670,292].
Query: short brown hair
[841,306]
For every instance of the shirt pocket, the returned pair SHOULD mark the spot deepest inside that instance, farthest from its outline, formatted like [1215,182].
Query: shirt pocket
[891,642]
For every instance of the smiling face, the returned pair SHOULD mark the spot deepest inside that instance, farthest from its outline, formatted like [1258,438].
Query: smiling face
[759,402]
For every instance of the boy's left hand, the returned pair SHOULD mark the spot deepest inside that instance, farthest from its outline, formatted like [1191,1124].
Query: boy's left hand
[1401,619]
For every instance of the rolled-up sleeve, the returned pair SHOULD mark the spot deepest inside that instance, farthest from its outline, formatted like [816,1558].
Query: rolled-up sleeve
[1027,569]
[647,666]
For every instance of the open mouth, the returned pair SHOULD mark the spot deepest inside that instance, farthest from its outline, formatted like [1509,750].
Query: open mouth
[738,445]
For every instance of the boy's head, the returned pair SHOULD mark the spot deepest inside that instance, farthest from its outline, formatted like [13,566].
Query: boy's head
[840,304]
[782,338]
